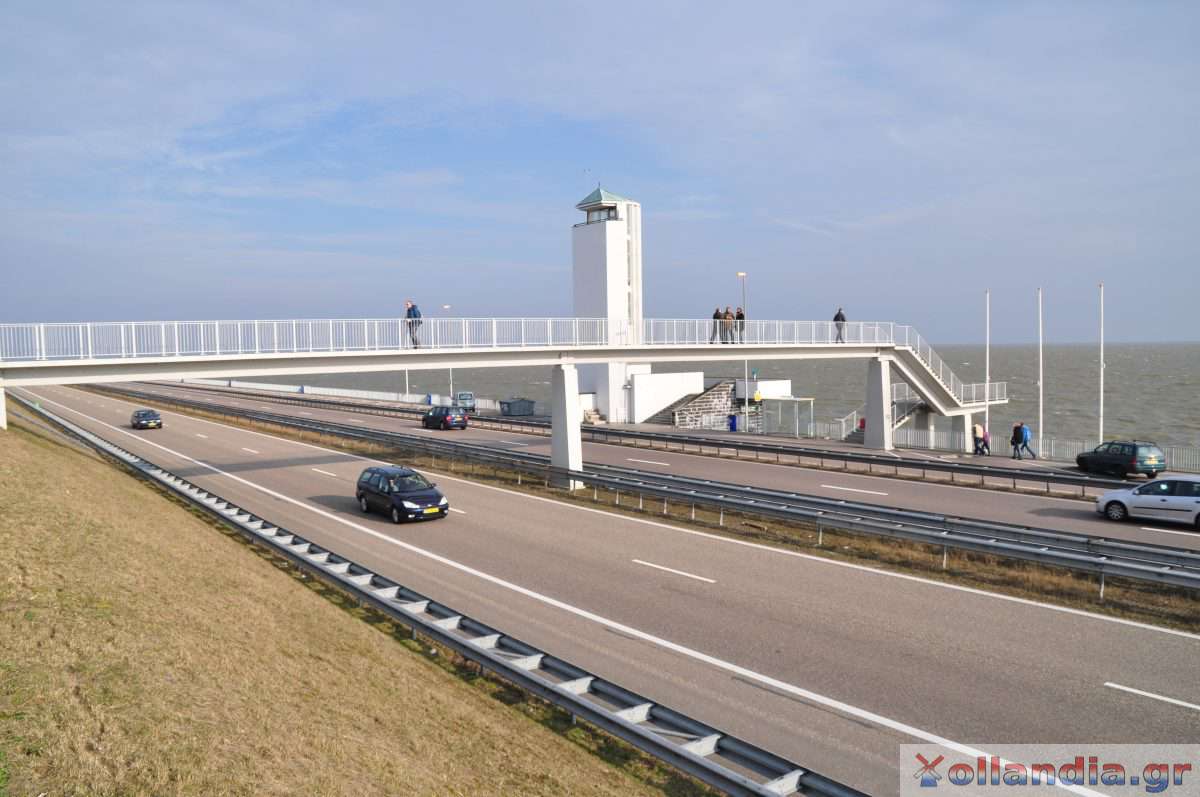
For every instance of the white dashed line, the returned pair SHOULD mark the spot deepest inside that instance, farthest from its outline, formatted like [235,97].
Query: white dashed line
[673,570]
[852,489]
[1153,696]
[512,442]
[456,509]
[326,473]
[251,450]
[1169,531]
[202,435]
[650,462]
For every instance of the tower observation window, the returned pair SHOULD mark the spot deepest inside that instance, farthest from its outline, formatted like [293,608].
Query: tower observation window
[601,214]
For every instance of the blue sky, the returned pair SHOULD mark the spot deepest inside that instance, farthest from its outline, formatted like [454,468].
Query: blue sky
[178,160]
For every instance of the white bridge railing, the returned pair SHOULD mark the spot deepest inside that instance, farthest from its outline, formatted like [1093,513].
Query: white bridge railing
[110,340]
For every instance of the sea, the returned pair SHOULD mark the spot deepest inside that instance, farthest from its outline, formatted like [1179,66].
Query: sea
[1151,390]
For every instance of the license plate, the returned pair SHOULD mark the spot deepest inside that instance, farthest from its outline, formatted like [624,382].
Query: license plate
[433,510]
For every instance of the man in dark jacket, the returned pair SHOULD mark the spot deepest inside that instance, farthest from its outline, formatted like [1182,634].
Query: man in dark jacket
[839,321]
[740,319]
[412,318]
[716,330]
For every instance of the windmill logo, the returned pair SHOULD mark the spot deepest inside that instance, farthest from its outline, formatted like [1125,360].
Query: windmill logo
[928,773]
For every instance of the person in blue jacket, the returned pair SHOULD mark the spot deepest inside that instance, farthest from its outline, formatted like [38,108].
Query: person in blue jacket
[412,318]
[1026,439]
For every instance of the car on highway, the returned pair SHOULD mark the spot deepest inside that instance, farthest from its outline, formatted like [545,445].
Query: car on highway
[1120,457]
[444,418]
[400,493]
[145,419]
[1175,499]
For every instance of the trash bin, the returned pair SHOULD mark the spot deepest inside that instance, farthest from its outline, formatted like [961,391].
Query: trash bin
[516,406]
[733,423]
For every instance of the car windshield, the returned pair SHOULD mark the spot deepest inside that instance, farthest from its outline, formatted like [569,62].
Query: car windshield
[409,483]
[146,414]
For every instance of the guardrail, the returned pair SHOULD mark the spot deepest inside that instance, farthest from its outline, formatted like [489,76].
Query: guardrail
[1097,555]
[876,463]
[701,750]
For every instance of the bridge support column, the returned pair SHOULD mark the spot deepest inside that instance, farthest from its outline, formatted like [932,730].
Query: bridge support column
[879,404]
[566,442]
[3,411]
[962,432]
[922,422]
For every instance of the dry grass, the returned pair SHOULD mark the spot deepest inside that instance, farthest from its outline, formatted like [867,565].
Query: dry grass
[1135,600]
[143,652]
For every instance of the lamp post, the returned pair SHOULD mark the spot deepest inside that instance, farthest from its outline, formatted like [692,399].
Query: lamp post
[741,275]
[1101,440]
[1041,390]
[987,362]
[447,307]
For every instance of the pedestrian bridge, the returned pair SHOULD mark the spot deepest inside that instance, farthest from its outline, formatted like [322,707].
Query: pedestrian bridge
[79,353]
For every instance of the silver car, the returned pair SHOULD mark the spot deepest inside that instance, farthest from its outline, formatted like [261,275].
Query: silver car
[1175,499]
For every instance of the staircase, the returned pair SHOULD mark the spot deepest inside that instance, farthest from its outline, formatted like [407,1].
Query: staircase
[905,404]
[717,400]
[666,415]
[593,418]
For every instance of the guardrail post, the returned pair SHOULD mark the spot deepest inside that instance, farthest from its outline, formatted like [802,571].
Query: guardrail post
[331,334]
[175,334]
[122,328]
[89,340]
[3,412]
[216,337]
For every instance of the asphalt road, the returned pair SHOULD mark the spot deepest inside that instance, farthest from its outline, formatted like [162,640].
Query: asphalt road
[1038,511]
[830,664]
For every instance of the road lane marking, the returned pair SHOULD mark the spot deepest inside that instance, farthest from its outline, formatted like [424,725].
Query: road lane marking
[852,489]
[327,473]
[251,450]
[757,546]
[673,570]
[264,407]
[1153,696]
[649,462]
[456,509]
[301,412]
[202,435]
[512,442]
[1169,531]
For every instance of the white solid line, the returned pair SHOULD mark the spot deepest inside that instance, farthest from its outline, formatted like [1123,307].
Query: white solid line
[673,570]
[693,532]
[202,435]
[649,462]
[512,442]
[456,509]
[325,472]
[852,489]
[1169,531]
[1171,700]
[736,669]
[251,450]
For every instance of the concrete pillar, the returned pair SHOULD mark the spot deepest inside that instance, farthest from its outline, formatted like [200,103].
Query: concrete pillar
[879,404]
[3,411]
[922,422]
[962,427]
[566,442]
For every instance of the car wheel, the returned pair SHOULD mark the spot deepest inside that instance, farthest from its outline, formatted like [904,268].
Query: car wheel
[396,518]
[1152,474]
[445,426]
[362,503]
[1116,511]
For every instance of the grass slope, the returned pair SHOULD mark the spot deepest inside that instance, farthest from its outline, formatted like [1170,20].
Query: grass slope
[144,652]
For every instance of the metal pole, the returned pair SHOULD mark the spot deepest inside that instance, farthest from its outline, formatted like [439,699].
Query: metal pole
[746,396]
[406,381]
[452,387]
[1101,440]
[1041,392]
[987,361]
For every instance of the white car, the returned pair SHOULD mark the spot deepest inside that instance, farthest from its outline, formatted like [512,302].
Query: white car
[1176,499]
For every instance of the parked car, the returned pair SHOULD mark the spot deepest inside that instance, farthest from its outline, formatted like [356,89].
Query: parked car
[1175,499]
[1124,456]
[444,418]
[145,419]
[400,493]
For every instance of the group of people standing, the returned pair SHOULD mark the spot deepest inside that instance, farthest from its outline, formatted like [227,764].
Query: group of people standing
[1020,439]
[728,325]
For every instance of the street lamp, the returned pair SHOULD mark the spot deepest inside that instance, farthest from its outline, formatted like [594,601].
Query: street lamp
[741,275]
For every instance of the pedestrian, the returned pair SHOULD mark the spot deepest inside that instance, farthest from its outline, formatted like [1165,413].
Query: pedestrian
[1016,439]
[839,321]
[977,437]
[1026,439]
[727,325]
[412,318]
[740,317]
[716,330]
[987,442]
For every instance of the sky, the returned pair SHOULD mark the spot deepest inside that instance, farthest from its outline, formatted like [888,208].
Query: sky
[288,160]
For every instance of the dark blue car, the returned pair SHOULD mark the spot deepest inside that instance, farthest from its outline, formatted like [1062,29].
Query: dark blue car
[400,493]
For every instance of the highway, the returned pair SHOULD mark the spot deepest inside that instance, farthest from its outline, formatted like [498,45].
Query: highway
[1040,511]
[828,663]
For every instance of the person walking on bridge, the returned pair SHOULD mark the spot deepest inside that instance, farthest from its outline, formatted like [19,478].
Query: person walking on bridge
[412,319]
[1026,439]
[716,330]
[727,325]
[1017,438]
[839,321]
[740,318]
[977,436]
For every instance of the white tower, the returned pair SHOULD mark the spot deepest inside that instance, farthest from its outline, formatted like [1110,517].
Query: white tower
[606,254]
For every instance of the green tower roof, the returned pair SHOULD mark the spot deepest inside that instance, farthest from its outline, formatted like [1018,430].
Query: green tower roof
[600,197]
